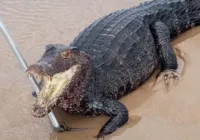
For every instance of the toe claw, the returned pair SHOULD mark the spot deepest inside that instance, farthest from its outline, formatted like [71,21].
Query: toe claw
[100,135]
[169,77]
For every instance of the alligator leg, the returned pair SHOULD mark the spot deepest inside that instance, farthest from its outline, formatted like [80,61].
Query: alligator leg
[113,108]
[167,55]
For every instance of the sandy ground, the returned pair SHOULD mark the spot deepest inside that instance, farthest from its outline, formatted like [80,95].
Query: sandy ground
[154,114]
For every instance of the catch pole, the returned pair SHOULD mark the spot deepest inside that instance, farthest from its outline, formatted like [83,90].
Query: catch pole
[56,125]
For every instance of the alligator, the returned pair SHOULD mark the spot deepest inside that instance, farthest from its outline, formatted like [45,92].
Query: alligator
[110,58]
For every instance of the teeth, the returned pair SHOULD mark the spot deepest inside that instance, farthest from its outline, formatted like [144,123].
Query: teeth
[29,74]
[50,78]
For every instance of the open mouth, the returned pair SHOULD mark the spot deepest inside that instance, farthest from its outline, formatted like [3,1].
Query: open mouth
[52,87]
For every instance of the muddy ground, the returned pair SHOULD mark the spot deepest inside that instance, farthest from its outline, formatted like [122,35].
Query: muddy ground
[154,113]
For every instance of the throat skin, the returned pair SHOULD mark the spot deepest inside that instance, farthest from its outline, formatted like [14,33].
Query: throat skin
[72,96]
[54,86]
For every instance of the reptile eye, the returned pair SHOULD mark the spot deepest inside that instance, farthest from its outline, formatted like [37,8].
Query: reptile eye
[66,54]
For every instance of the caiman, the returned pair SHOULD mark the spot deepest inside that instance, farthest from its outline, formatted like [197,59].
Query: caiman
[112,57]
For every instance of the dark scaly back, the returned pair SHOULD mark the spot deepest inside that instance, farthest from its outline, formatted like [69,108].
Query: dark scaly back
[180,15]
[122,48]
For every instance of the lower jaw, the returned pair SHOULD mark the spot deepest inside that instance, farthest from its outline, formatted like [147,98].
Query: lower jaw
[38,115]
[42,114]
[38,112]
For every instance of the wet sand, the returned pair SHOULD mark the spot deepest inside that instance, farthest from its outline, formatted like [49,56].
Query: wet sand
[154,113]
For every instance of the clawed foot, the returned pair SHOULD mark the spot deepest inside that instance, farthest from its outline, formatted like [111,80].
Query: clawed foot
[100,136]
[104,132]
[67,128]
[169,77]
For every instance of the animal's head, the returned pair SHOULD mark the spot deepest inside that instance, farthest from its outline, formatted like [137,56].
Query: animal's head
[57,69]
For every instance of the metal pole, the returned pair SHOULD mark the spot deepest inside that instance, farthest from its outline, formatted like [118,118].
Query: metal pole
[24,66]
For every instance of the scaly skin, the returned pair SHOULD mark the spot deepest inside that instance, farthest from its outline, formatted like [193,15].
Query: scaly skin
[125,47]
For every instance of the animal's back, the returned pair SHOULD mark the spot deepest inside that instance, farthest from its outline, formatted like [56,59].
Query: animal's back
[122,47]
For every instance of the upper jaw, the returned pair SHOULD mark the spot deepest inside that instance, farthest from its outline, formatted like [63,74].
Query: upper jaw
[36,70]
